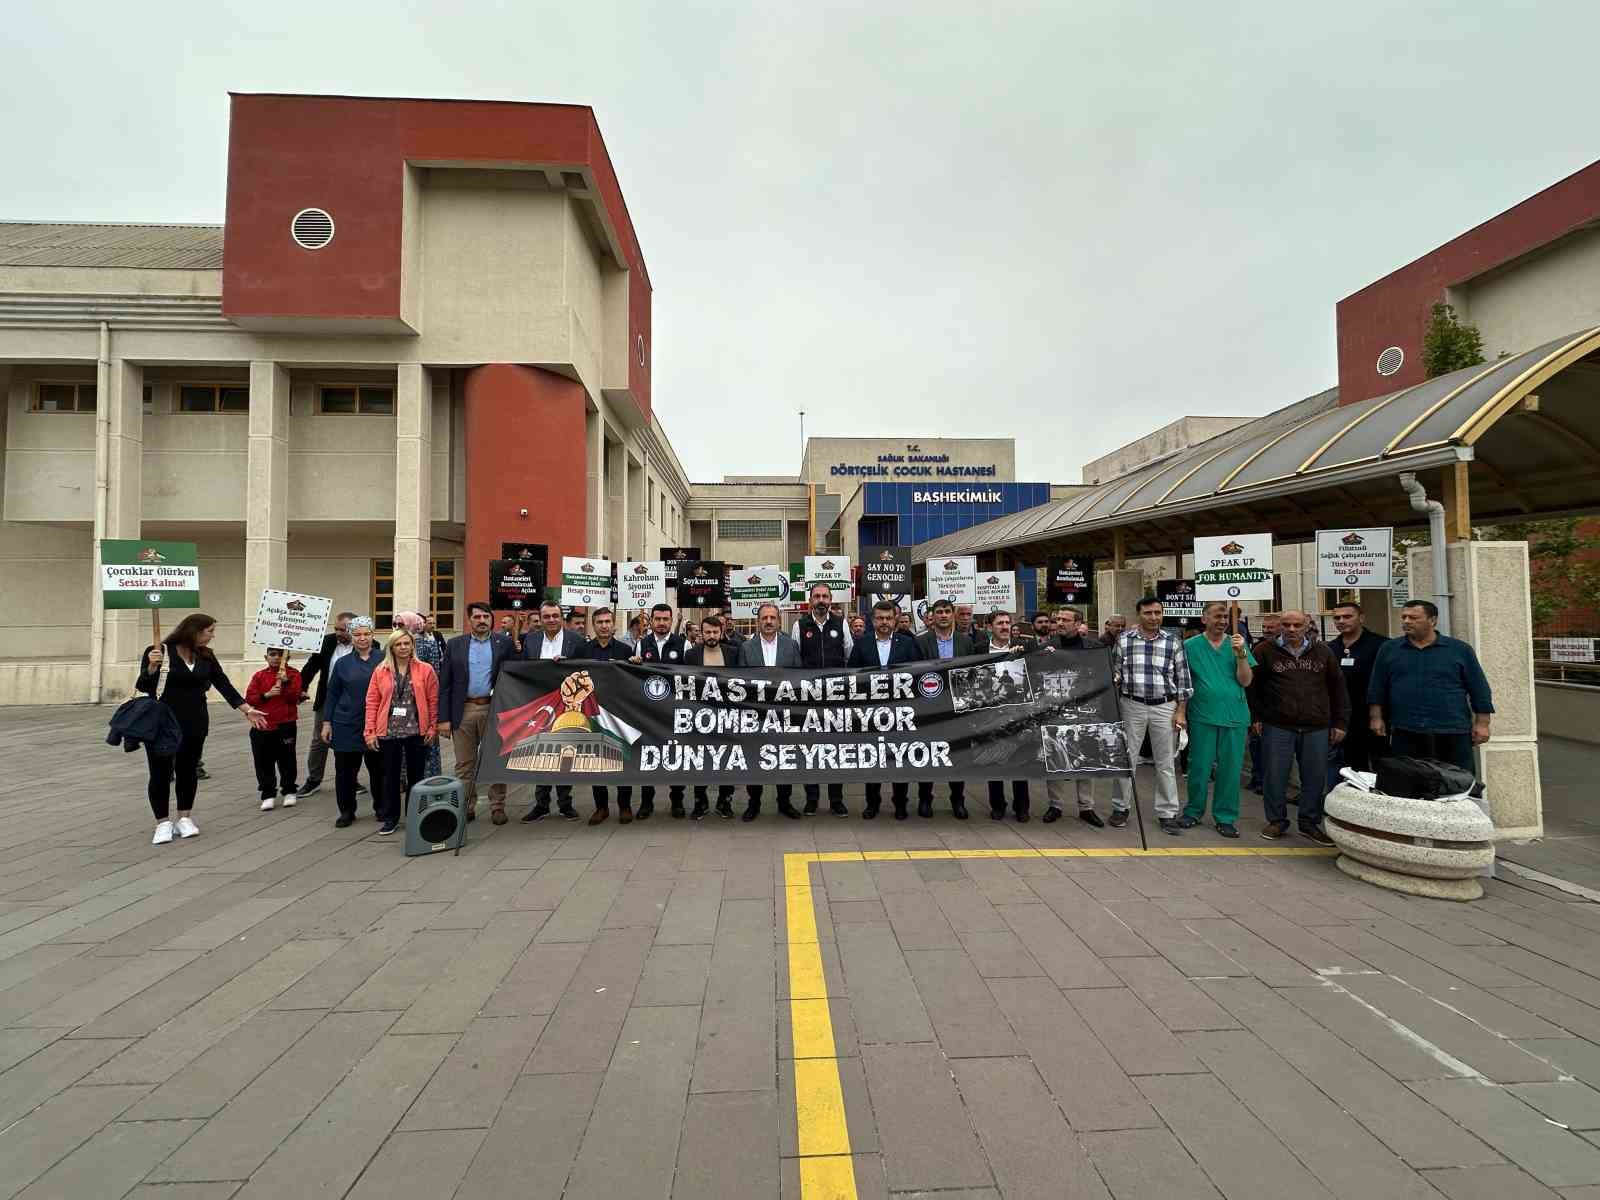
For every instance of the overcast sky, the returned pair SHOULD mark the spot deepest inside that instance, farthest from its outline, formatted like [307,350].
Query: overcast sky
[1067,222]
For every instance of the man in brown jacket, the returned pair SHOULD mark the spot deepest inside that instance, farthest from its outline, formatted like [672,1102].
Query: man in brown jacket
[1299,706]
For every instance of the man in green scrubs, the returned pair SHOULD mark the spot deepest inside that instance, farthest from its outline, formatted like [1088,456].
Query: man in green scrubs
[1219,716]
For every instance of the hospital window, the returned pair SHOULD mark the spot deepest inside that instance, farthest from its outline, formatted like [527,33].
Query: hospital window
[213,397]
[441,592]
[64,397]
[351,399]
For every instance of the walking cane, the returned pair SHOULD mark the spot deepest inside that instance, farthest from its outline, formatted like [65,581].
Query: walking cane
[1138,816]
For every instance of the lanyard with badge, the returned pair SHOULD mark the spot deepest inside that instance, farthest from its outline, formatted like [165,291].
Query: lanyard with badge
[400,705]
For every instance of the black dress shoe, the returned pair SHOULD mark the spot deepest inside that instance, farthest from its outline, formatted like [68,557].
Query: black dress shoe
[646,809]
[344,821]
[725,809]
[997,814]
[537,813]
[958,809]
[699,811]
[1022,815]
[837,808]
[810,808]
[678,809]
[1227,829]
[924,808]
[750,814]
[568,813]
[1091,818]
[789,811]
[1052,815]
[1187,821]
[1170,826]
[869,812]
[900,812]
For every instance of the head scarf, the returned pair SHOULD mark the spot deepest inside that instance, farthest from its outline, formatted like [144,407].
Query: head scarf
[359,622]
[412,621]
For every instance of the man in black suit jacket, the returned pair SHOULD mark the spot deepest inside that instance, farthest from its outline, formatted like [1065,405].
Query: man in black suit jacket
[551,641]
[319,667]
[722,656]
[886,647]
[660,645]
[944,641]
[604,647]
[464,701]
[769,639]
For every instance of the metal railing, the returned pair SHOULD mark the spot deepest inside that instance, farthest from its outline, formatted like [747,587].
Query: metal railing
[1569,660]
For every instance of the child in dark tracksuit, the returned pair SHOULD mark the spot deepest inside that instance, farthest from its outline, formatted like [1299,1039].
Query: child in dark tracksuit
[273,748]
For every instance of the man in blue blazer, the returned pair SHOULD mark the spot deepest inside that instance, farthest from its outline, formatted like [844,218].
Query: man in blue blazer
[467,676]
[553,641]
[771,647]
[887,647]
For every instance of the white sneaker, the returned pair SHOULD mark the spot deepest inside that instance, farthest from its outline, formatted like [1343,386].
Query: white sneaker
[290,799]
[266,804]
[163,833]
[186,828]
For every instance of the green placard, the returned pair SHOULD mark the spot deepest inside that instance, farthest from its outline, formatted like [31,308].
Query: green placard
[141,574]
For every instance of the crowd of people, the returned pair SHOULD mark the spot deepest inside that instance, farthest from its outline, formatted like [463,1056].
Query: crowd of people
[1295,701]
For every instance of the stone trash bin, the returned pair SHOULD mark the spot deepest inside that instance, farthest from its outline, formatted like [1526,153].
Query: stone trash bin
[1434,848]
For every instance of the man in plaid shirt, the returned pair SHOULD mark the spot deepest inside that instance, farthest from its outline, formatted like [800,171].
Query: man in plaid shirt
[1152,674]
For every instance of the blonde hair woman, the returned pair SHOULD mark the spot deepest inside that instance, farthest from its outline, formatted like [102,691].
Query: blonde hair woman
[402,721]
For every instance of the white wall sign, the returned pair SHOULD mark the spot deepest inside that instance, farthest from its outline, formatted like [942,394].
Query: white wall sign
[641,584]
[585,581]
[1233,567]
[1355,558]
[996,592]
[291,620]
[831,569]
[1572,649]
[953,579]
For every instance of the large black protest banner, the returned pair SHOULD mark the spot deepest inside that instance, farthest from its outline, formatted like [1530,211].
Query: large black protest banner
[1045,714]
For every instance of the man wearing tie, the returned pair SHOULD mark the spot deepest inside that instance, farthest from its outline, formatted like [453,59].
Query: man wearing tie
[943,641]
[552,641]
[771,647]
[887,647]
[661,645]
[824,641]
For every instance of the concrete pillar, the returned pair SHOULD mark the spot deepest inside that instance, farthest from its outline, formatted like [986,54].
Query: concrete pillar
[413,488]
[127,630]
[266,496]
[615,546]
[595,496]
[1117,591]
[1491,610]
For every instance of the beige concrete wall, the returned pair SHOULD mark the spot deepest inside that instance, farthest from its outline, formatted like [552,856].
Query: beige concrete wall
[1169,439]
[45,578]
[1537,298]
[49,473]
[110,281]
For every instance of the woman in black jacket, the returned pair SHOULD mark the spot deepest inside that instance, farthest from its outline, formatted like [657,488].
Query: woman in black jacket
[191,672]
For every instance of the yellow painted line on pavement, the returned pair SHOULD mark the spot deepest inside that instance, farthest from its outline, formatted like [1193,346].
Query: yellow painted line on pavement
[827,1171]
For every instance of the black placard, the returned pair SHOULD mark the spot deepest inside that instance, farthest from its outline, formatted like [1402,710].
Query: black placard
[516,584]
[1180,609]
[885,570]
[702,584]
[673,555]
[1048,714]
[1070,581]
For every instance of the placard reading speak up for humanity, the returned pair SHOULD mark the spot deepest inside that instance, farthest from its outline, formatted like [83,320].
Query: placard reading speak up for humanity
[1234,567]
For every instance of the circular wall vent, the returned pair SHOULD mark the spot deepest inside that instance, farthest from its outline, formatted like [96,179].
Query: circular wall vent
[312,228]
[1391,360]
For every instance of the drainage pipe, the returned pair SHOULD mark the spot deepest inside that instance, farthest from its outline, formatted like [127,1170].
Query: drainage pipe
[102,498]
[1441,565]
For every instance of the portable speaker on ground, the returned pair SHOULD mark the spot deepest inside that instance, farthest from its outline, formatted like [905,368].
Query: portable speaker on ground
[437,816]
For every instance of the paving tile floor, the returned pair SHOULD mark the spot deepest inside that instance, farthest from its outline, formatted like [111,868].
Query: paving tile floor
[280,1009]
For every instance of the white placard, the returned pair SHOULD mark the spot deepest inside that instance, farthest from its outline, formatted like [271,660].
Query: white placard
[953,579]
[919,614]
[831,569]
[1355,558]
[585,581]
[291,620]
[641,584]
[751,587]
[1233,567]
[996,592]
[1572,649]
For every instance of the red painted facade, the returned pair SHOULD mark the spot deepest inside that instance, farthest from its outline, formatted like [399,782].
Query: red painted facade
[525,438]
[347,155]
[1395,310]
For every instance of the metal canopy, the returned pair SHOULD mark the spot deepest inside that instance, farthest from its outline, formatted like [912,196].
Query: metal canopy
[1530,424]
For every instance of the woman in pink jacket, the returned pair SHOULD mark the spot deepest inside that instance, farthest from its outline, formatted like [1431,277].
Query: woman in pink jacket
[402,721]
